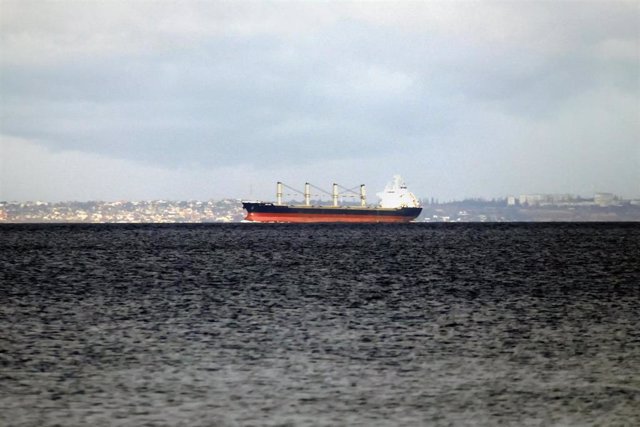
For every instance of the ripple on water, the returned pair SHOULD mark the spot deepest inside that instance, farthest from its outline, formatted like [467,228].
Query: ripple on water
[320,325]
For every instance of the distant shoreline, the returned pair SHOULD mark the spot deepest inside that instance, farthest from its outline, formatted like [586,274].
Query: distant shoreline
[230,211]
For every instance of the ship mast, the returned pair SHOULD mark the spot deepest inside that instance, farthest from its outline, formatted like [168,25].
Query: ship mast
[279,193]
[307,194]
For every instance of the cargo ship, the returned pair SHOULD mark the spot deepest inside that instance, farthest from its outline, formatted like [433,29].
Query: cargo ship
[397,204]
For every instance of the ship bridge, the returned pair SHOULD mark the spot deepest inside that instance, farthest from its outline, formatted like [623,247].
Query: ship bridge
[396,195]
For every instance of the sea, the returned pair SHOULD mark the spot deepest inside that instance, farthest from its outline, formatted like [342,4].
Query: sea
[320,325]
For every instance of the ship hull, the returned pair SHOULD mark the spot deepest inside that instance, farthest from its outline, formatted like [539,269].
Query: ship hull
[268,212]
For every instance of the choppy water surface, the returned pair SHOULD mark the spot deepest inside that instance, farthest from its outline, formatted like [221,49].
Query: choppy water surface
[320,324]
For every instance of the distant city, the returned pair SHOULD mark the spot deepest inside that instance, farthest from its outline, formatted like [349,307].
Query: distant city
[156,211]
[534,208]
[527,207]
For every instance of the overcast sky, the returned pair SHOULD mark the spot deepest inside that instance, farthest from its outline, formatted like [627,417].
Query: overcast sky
[201,100]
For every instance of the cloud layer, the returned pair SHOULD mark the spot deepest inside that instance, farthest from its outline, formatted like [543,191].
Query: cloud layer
[200,100]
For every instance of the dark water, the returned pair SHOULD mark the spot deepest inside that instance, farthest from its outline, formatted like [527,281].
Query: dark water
[417,324]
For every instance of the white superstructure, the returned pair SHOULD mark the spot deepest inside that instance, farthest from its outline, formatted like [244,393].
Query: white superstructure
[396,195]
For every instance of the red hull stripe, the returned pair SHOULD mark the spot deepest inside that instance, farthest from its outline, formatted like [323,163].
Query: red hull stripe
[297,217]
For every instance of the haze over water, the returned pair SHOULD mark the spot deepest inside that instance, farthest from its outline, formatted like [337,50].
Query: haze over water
[248,324]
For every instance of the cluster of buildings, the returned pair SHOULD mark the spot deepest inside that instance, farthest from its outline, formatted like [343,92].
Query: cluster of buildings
[535,208]
[599,199]
[157,211]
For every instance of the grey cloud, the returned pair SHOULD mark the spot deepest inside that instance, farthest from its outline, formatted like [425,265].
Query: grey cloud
[355,90]
[231,98]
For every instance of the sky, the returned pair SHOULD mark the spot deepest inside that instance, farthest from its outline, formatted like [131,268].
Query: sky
[142,100]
